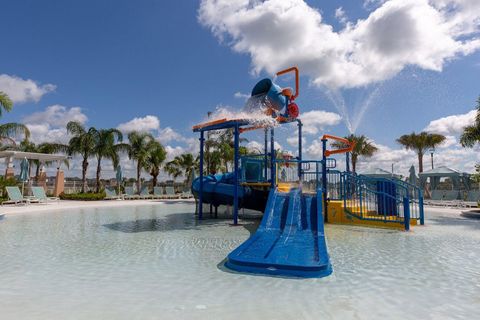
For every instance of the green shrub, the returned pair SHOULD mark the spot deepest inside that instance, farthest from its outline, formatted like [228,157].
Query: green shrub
[83,196]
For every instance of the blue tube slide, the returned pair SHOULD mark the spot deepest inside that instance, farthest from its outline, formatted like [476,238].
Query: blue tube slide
[219,189]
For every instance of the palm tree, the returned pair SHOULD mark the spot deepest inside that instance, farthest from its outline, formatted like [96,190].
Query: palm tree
[173,168]
[420,143]
[8,130]
[471,134]
[5,102]
[184,164]
[363,147]
[138,151]
[106,148]
[12,129]
[156,157]
[83,144]
[220,151]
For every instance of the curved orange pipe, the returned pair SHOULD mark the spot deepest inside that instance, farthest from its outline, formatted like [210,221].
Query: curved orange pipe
[350,145]
[279,73]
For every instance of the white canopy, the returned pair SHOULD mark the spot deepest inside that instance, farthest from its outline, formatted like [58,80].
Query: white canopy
[32,156]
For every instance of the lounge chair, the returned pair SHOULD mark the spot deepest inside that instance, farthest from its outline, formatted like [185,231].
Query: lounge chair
[186,194]
[438,195]
[436,198]
[111,194]
[158,193]
[16,197]
[130,194]
[452,198]
[40,195]
[145,193]
[170,193]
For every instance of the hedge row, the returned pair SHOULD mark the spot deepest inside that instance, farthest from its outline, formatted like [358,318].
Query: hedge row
[83,196]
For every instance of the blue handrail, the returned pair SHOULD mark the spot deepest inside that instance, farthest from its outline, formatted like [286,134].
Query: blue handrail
[383,204]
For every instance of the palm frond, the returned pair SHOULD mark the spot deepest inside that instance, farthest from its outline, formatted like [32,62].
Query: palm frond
[13,129]
[5,102]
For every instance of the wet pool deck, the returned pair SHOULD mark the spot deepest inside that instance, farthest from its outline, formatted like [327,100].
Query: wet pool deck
[68,204]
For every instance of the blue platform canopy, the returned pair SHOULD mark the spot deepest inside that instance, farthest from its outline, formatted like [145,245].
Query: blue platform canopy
[222,124]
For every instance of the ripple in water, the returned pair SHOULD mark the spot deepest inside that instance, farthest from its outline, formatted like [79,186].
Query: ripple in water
[157,261]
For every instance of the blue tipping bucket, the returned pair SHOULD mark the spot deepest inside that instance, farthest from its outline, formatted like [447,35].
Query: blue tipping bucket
[272,91]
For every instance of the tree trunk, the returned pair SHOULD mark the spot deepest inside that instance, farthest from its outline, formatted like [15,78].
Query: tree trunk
[84,174]
[420,162]
[354,164]
[154,179]
[139,171]
[99,169]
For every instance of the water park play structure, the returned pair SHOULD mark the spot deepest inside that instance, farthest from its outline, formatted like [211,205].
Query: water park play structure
[297,196]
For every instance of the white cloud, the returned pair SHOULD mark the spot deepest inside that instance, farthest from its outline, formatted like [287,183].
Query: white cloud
[45,133]
[258,147]
[49,125]
[168,134]
[397,34]
[449,154]
[314,149]
[57,116]
[20,90]
[341,15]
[145,124]
[240,95]
[316,120]
[293,140]
[172,152]
[452,125]
[255,146]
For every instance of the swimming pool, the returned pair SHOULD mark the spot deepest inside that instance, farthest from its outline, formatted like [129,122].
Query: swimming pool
[157,262]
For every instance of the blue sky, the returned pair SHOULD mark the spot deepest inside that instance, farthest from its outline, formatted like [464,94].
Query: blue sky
[119,60]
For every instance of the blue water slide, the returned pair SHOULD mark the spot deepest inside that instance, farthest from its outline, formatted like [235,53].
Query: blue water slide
[290,240]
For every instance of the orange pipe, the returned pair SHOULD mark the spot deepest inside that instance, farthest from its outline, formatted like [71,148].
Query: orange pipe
[297,86]
[328,136]
[349,148]
[242,130]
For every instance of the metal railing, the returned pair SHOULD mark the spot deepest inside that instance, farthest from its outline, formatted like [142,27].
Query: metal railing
[381,199]
[309,174]
[415,196]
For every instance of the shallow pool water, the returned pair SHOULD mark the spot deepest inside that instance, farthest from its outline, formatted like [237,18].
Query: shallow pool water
[157,262]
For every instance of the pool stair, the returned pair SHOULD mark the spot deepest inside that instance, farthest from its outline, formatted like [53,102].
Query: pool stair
[376,202]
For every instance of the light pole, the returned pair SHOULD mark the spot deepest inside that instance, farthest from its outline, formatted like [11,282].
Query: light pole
[432,150]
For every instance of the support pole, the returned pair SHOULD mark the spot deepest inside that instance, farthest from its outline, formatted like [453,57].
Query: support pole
[266,155]
[235,174]
[300,125]
[200,197]
[347,164]
[272,156]
[420,206]
[324,178]
[406,213]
